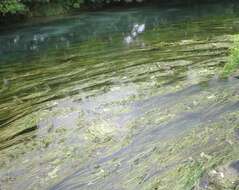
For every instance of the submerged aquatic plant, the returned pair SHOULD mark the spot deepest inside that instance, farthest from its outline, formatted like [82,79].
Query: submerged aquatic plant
[233,63]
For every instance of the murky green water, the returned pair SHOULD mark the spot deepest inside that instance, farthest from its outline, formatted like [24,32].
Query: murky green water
[119,100]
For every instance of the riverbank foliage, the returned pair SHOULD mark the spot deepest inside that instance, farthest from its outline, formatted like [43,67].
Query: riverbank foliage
[25,6]
[232,65]
[56,7]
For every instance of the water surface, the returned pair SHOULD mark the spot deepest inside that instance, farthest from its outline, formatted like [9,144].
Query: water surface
[121,99]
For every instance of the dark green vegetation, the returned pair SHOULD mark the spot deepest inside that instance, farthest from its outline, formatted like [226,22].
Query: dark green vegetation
[121,100]
[42,7]
[24,6]
[56,7]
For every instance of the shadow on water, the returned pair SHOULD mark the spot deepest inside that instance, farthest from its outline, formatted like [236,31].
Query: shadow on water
[119,100]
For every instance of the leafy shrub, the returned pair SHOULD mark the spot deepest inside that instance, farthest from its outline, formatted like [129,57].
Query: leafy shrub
[233,63]
[12,7]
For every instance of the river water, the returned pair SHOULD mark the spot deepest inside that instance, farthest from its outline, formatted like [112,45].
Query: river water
[120,99]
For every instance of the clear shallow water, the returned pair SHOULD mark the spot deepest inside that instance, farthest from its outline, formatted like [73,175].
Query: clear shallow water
[119,100]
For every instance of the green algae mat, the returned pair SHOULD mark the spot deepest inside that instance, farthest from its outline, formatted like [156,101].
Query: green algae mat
[121,100]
